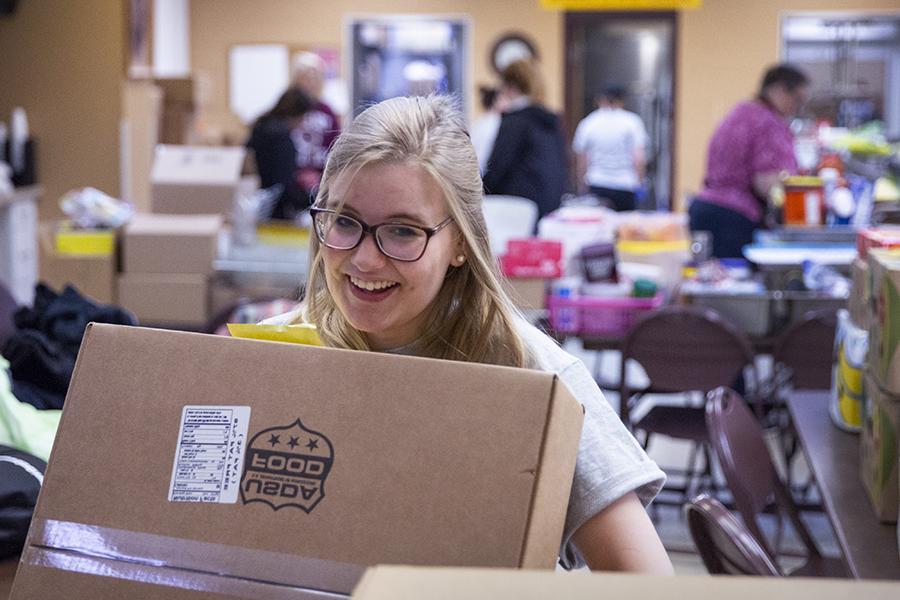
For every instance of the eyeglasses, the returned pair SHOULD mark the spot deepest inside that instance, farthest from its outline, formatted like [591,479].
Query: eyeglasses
[399,241]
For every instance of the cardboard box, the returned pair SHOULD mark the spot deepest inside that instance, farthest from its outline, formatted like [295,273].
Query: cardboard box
[94,275]
[195,179]
[171,243]
[528,293]
[260,469]
[859,301]
[878,449]
[165,299]
[408,583]
[884,330]
[141,110]
[179,109]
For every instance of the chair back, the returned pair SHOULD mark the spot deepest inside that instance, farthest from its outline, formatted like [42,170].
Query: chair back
[508,217]
[684,349]
[737,437]
[724,544]
[807,349]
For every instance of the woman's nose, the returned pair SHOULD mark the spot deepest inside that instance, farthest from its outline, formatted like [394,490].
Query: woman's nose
[367,256]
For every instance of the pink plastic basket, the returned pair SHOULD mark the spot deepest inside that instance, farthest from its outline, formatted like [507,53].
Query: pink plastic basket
[599,316]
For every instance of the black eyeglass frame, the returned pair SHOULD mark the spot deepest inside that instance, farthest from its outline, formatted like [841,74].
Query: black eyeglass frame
[373,231]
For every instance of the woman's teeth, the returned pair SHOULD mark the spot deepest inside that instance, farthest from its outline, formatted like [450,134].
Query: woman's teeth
[371,286]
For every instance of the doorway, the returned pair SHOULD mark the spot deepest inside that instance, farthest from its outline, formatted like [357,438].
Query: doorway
[637,52]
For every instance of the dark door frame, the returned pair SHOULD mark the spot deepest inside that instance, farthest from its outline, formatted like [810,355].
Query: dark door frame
[576,21]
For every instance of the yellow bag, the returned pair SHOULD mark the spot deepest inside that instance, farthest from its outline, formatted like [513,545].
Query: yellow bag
[303,333]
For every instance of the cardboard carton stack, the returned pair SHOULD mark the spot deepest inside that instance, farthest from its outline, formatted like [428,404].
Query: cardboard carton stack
[195,179]
[189,465]
[85,259]
[167,260]
[881,420]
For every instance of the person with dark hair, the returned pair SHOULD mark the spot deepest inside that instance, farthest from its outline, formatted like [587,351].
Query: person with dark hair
[610,151]
[529,154]
[320,125]
[275,152]
[750,152]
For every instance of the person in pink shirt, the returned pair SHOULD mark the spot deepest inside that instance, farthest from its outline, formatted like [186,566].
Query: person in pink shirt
[750,152]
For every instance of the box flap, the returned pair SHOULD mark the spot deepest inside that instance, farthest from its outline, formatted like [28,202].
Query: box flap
[408,583]
[554,479]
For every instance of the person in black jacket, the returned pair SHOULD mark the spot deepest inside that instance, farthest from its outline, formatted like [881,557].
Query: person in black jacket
[529,155]
[276,154]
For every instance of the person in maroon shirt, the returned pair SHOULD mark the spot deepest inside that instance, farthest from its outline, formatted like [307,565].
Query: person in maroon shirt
[750,151]
[319,127]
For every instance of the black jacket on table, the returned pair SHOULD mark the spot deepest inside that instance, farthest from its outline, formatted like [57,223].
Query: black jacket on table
[529,158]
[276,161]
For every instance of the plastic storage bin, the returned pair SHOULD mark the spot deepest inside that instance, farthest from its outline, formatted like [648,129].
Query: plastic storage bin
[587,315]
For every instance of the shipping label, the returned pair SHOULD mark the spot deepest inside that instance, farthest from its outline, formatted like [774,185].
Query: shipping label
[209,459]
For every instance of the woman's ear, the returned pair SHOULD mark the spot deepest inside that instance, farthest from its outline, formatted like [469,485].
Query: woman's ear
[460,252]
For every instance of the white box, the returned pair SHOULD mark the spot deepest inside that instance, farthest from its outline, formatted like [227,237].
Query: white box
[195,179]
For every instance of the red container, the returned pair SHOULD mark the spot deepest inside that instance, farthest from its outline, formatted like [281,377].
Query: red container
[885,236]
[586,315]
[532,257]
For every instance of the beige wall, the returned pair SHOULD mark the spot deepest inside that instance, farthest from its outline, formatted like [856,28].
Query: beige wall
[218,24]
[62,61]
[723,49]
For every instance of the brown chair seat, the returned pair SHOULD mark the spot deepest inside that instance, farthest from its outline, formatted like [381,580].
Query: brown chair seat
[682,422]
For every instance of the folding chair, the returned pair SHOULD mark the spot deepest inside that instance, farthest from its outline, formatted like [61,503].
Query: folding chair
[683,349]
[722,541]
[738,440]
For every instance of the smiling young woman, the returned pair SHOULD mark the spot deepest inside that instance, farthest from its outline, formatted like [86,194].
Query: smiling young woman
[401,263]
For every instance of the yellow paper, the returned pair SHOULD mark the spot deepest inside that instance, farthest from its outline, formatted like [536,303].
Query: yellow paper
[303,333]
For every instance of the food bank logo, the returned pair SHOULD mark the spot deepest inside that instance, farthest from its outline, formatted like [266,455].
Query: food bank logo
[287,466]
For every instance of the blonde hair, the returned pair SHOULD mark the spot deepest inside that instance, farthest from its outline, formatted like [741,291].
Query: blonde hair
[472,318]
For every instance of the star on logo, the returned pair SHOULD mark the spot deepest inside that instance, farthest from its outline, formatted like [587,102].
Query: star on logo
[313,444]
[294,442]
[274,440]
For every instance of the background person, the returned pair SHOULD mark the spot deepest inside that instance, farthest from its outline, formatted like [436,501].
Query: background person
[750,152]
[401,263]
[610,151]
[319,128]
[529,154]
[484,130]
[273,148]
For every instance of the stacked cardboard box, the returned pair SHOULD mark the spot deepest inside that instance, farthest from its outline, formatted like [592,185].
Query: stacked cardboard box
[190,466]
[195,179]
[167,260]
[880,443]
[85,259]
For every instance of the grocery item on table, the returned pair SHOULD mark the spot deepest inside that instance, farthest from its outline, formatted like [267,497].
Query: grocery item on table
[851,344]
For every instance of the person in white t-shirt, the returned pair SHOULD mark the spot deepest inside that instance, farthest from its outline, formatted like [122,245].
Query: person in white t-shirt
[610,148]
[483,130]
